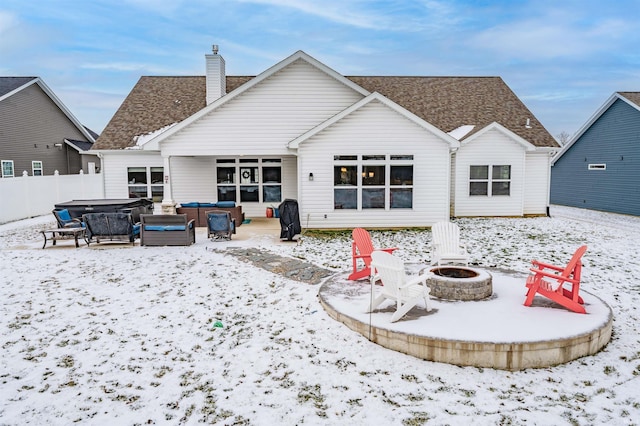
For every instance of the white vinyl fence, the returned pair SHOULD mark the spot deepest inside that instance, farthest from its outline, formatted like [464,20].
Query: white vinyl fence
[29,196]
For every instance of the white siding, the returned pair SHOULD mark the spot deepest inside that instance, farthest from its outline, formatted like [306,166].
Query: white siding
[114,169]
[290,177]
[374,129]
[537,178]
[490,148]
[194,179]
[262,120]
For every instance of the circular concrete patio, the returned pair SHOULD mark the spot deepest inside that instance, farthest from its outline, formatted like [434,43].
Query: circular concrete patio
[498,332]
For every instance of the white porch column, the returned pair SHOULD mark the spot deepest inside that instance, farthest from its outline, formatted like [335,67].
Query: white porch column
[168,205]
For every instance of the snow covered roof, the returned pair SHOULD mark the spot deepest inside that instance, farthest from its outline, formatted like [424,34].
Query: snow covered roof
[141,140]
[461,131]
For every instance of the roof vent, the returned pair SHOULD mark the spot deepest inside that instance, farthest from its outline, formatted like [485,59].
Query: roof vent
[528,125]
[215,49]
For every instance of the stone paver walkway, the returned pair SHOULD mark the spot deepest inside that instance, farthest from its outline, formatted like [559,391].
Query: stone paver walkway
[288,267]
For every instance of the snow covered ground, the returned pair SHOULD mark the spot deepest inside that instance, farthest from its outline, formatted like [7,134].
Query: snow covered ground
[115,334]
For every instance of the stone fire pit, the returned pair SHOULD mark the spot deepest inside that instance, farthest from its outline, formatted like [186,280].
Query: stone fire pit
[460,283]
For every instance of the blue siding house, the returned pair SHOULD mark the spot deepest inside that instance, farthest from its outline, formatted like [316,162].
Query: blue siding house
[599,167]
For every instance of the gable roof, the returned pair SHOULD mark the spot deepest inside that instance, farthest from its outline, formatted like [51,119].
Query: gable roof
[385,101]
[154,103]
[11,85]
[299,55]
[497,126]
[451,102]
[631,98]
[445,102]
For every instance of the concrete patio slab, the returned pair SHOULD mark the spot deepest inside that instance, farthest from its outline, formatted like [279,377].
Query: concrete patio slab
[498,332]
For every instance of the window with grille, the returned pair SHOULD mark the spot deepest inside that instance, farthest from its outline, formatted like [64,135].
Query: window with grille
[489,180]
[373,181]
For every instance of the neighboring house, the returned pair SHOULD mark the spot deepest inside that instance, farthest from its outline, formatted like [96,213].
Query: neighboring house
[38,134]
[599,167]
[354,151]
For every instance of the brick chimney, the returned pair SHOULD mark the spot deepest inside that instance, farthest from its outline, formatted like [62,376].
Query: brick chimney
[216,77]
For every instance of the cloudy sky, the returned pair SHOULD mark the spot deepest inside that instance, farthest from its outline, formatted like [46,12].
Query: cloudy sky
[562,58]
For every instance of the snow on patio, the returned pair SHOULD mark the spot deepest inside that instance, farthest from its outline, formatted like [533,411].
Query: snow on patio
[127,335]
[501,318]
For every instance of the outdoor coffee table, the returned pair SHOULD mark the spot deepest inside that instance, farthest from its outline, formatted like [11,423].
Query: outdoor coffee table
[63,234]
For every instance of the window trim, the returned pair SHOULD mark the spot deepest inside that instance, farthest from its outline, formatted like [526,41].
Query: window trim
[500,180]
[597,166]
[479,180]
[240,181]
[13,170]
[34,168]
[360,162]
[150,185]
[490,180]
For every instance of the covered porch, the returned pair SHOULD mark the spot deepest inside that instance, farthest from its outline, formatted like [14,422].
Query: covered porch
[254,182]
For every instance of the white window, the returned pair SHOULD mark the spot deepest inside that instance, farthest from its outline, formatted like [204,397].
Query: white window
[7,168]
[489,180]
[36,168]
[250,180]
[146,182]
[597,167]
[345,182]
[372,181]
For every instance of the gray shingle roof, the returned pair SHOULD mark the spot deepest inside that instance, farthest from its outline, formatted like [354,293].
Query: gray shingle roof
[156,102]
[632,96]
[445,102]
[451,102]
[80,145]
[8,84]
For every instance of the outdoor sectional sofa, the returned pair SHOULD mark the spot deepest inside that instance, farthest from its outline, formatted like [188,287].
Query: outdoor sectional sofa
[197,211]
[110,226]
[166,230]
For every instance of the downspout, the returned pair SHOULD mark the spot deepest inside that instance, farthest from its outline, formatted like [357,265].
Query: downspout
[101,157]
[66,154]
[451,189]
[552,153]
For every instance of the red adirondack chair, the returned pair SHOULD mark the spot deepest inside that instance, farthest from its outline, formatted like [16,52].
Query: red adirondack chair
[361,248]
[549,281]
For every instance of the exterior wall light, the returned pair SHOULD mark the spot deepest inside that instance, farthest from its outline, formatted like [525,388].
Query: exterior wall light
[310,176]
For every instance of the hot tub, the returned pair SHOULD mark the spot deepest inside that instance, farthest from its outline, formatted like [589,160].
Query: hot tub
[135,206]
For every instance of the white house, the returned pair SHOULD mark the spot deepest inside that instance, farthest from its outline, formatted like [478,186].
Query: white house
[353,151]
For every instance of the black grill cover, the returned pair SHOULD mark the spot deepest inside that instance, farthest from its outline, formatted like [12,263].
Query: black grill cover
[289,219]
